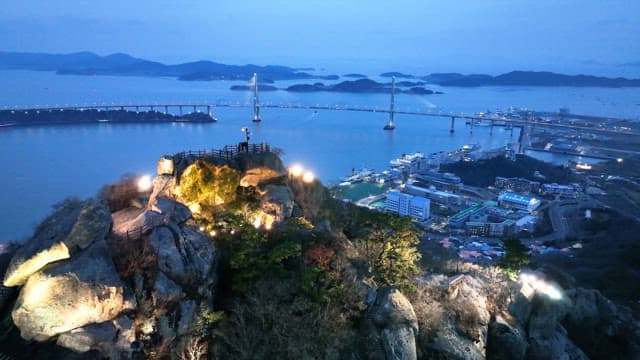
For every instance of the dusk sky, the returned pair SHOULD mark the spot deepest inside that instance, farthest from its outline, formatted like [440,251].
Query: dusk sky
[407,35]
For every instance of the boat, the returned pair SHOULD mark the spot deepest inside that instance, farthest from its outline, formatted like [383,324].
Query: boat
[583,166]
[357,176]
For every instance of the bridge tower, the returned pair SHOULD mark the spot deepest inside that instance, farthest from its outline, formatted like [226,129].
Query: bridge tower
[390,125]
[256,102]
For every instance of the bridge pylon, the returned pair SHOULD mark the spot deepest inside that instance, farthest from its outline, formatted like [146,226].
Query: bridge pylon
[256,101]
[390,125]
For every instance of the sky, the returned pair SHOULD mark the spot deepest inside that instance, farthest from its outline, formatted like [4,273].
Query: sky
[419,36]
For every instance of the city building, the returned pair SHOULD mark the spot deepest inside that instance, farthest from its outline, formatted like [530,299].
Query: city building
[519,185]
[557,189]
[440,197]
[446,181]
[512,200]
[526,223]
[492,229]
[458,220]
[404,204]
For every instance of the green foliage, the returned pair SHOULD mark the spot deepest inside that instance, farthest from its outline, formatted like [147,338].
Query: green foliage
[516,257]
[209,185]
[388,243]
[397,264]
[483,172]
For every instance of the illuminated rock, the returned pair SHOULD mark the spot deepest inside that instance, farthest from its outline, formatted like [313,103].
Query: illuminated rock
[277,201]
[165,166]
[254,177]
[46,246]
[83,290]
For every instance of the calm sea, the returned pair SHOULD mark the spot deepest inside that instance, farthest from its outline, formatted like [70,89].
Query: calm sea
[44,165]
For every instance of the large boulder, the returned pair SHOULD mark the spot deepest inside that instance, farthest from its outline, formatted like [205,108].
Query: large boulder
[170,259]
[393,314]
[94,222]
[136,220]
[599,327]
[47,245]
[256,176]
[64,296]
[277,201]
[165,291]
[505,340]
[165,166]
[112,339]
[175,211]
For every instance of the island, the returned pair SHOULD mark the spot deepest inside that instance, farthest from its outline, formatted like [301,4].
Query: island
[16,118]
[88,63]
[359,86]
[355,76]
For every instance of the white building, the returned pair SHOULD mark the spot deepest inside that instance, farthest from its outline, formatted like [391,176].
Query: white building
[415,206]
[512,200]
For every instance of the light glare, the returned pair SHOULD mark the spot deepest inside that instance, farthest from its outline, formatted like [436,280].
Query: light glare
[308,177]
[144,183]
[296,170]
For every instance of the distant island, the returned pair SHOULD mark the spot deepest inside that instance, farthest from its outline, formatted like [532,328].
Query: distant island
[398,75]
[12,118]
[355,76]
[519,78]
[359,86]
[88,63]
[119,64]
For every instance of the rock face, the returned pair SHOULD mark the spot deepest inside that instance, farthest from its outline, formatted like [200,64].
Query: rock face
[94,222]
[75,225]
[165,166]
[505,340]
[599,328]
[540,312]
[463,335]
[256,176]
[277,201]
[111,338]
[83,290]
[396,323]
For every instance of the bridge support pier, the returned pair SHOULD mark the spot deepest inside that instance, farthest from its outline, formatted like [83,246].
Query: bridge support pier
[137,108]
[151,108]
[491,129]
[180,109]
[194,108]
[471,127]
[453,124]
[166,109]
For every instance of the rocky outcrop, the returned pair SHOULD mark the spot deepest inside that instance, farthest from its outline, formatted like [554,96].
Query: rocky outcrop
[599,327]
[395,323]
[113,338]
[83,290]
[463,332]
[94,223]
[505,340]
[277,201]
[259,175]
[165,166]
[170,209]
[74,225]
[540,306]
